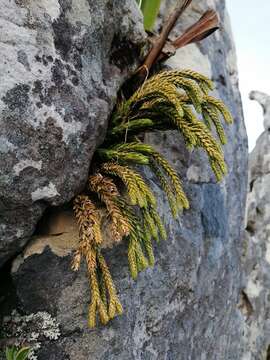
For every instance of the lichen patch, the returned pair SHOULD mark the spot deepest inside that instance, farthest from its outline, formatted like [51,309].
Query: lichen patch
[23,164]
[45,192]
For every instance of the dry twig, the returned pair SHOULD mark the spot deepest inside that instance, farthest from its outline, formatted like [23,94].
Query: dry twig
[162,48]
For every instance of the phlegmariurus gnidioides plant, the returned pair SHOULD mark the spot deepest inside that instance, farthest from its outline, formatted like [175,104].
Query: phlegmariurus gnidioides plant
[175,100]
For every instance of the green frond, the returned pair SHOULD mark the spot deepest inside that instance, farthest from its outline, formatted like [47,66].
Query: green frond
[132,127]
[128,211]
[166,101]
[119,116]
[103,291]
[142,262]
[165,185]
[136,258]
[138,191]
[96,305]
[174,179]
[139,239]
[145,189]
[148,247]
[113,298]
[170,116]
[205,84]
[213,115]
[206,118]
[123,156]
[220,107]
[190,86]
[189,137]
[129,178]
[92,309]
[134,147]
[159,224]
[104,300]
[151,91]
[193,91]
[206,141]
[103,314]
[149,223]
[176,77]
[132,260]
[219,173]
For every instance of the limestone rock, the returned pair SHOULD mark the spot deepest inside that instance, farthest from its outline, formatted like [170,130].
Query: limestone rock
[264,100]
[59,231]
[187,305]
[256,252]
[62,63]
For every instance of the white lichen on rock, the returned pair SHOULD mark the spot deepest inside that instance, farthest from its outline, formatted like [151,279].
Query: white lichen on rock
[45,192]
[23,164]
[31,330]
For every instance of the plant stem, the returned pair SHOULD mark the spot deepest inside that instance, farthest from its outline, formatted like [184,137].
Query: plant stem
[161,40]
[205,26]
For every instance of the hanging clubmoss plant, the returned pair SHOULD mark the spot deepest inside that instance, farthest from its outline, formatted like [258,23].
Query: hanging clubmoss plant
[169,100]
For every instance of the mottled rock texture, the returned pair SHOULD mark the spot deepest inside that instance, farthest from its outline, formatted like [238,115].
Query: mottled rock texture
[264,100]
[61,65]
[186,307]
[256,252]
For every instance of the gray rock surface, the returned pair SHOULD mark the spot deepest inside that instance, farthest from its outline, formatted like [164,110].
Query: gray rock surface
[61,65]
[256,252]
[187,306]
[264,100]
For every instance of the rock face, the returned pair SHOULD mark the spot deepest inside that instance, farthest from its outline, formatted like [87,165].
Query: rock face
[186,307]
[264,100]
[62,63]
[256,254]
